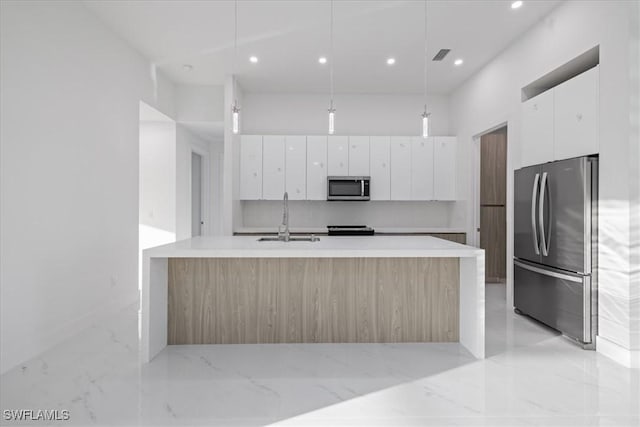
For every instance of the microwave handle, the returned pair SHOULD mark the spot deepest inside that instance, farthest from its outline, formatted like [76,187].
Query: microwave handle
[362,187]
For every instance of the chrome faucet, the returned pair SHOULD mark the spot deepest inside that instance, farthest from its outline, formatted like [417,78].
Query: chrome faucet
[283,229]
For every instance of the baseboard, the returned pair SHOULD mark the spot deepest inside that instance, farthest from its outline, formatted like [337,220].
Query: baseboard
[625,357]
[57,335]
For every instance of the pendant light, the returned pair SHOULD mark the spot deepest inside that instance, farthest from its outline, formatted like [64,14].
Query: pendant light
[425,115]
[235,109]
[331,110]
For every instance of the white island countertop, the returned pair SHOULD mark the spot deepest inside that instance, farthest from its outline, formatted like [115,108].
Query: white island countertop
[154,319]
[327,247]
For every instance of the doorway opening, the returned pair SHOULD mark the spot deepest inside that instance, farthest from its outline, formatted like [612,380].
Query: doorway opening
[197,216]
[493,204]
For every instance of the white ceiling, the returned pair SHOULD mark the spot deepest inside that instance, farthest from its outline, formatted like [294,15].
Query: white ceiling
[288,37]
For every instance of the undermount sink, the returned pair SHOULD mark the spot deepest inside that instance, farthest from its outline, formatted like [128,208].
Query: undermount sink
[311,238]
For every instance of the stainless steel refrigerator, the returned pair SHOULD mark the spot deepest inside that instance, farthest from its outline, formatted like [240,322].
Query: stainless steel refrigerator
[555,246]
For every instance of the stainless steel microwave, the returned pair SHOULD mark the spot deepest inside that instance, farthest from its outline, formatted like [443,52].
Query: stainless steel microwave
[348,188]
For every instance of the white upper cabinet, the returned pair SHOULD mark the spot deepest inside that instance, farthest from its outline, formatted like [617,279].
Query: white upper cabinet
[537,129]
[272,167]
[338,155]
[296,167]
[250,167]
[576,116]
[380,168]
[421,168]
[359,156]
[400,149]
[317,168]
[444,167]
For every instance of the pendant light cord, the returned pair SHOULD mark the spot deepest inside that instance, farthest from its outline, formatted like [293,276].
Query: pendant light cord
[332,58]
[425,56]
[235,52]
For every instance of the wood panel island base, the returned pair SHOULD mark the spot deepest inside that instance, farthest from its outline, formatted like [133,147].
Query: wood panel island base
[235,290]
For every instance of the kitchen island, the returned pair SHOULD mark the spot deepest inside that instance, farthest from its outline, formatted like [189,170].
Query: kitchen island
[235,290]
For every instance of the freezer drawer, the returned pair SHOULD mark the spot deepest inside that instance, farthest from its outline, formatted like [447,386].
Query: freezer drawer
[560,300]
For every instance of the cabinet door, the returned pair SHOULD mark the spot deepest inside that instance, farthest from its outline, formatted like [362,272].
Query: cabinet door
[576,116]
[272,167]
[421,168]
[537,129]
[250,167]
[316,168]
[444,168]
[359,156]
[296,167]
[380,186]
[338,155]
[400,149]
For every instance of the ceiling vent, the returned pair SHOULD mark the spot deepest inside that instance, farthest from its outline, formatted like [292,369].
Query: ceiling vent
[441,54]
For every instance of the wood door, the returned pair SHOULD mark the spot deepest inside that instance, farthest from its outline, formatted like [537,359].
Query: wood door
[493,239]
[493,196]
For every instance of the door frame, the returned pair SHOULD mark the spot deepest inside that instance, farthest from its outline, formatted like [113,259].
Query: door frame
[205,193]
[475,184]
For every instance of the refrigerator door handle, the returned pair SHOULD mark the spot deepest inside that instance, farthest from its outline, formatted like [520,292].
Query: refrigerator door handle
[548,272]
[543,239]
[534,230]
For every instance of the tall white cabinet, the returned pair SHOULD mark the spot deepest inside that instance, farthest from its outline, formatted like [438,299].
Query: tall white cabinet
[273,167]
[296,167]
[359,150]
[400,149]
[250,167]
[575,125]
[563,121]
[338,155]
[421,168]
[316,168]
[444,167]
[380,167]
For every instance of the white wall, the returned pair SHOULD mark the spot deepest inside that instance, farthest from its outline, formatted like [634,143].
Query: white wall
[157,183]
[69,101]
[199,103]
[313,214]
[357,114]
[492,97]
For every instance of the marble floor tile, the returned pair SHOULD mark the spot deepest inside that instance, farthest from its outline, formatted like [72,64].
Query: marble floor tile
[531,377]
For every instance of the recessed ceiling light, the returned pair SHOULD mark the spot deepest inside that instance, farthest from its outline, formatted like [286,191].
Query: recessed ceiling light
[253,59]
[516,4]
[458,62]
[322,60]
[187,67]
[391,61]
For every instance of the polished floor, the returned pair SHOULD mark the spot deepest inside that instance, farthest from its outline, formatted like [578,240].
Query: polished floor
[532,376]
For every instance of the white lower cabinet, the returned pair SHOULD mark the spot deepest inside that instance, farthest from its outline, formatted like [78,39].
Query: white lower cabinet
[296,167]
[421,168]
[445,150]
[272,167]
[380,168]
[400,150]
[250,167]
[316,168]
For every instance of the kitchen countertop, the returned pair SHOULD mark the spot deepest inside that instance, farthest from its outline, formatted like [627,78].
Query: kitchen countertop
[398,230]
[327,247]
